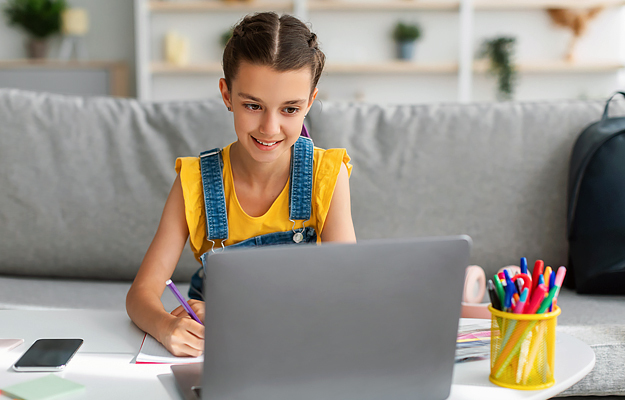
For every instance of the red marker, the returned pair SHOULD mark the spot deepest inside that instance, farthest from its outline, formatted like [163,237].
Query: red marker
[539,265]
[527,281]
[538,296]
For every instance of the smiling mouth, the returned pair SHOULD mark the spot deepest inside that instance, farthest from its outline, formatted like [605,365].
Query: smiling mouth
[268,144]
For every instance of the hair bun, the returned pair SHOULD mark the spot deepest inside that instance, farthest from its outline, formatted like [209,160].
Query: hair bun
[312,42]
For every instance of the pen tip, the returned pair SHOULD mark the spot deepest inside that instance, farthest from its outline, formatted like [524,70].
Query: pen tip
[168,282]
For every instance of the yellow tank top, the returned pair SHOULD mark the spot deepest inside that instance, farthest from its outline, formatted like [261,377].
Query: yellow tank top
[241,226]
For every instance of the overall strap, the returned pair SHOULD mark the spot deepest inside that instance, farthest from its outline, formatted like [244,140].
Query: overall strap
[300,191]
[211,165]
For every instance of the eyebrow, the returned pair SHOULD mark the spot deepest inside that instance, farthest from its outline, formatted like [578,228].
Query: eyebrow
[250,97]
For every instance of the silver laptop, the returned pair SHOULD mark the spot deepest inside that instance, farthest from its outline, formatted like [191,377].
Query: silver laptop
[373,320]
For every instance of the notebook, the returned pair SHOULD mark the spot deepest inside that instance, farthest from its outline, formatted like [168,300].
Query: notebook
[373,320]
[44,388]
[153,352]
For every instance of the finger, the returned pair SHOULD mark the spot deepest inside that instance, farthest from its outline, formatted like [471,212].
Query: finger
[198,307]
[193,342]
[194,352]
[183,350]
[185,343]
[179,311]
[194,329]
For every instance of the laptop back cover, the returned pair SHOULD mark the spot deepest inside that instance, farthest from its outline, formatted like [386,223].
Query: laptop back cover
[373,320]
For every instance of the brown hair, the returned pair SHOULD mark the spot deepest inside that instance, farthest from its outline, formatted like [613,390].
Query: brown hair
[283,43]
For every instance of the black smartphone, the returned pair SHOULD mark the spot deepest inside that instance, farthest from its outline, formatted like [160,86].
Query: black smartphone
[48,355]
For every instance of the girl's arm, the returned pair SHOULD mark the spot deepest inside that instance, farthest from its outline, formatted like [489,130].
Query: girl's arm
[338,226]
[180,334]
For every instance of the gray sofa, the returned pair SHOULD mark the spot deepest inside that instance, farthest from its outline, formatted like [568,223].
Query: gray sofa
[83,182]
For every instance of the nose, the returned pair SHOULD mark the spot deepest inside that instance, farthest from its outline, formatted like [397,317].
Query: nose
[270,124]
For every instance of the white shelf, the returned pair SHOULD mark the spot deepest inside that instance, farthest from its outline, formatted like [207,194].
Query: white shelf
[391,5]
[213,6]
[543,4]
[390,67]
[117,71]
[482,66]
[404,67]
[463,66]
[163,68]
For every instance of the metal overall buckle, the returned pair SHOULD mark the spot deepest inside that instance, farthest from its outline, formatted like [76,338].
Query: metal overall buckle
[298,235]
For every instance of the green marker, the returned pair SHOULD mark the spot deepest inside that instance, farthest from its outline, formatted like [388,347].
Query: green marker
[500,291]
[548,300]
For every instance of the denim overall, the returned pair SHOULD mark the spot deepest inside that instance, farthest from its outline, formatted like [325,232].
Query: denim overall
[300,206]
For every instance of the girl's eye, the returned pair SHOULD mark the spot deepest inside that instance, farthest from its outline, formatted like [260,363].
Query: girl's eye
[291,110]
[253,107]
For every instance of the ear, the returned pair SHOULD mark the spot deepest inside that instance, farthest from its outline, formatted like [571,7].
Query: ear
[313,96]
[225,93]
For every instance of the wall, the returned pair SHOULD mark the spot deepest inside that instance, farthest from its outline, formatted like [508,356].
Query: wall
[111,35]
[364,36]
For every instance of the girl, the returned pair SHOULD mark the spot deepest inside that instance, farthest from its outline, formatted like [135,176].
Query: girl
[268,187]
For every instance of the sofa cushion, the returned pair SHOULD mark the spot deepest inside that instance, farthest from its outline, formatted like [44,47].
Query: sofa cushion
[497,172]
[84,180]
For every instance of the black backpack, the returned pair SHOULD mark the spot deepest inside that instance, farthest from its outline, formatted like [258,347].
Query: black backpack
[596,208]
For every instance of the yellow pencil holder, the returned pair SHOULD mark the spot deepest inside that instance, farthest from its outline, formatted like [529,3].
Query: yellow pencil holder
[523,349]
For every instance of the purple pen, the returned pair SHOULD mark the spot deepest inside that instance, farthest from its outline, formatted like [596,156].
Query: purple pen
[182,301]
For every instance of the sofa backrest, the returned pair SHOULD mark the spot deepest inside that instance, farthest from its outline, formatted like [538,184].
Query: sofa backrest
[494,171]
[83,181]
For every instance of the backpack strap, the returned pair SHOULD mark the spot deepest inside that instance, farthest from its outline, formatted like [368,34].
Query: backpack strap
[607,104]
[211,165]
[300,190]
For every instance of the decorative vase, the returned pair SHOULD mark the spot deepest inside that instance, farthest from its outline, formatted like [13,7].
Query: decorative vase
[405,50]
[37,48]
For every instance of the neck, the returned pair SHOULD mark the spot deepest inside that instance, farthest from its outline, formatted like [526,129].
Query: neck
[250,172]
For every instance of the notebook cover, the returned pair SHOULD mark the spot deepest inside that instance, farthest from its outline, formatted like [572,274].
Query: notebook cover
[45,388]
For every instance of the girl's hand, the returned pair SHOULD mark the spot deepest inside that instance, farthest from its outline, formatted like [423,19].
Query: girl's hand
[196,305]
[183,336]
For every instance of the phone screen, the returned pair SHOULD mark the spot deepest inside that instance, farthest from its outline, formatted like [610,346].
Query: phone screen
[48,354]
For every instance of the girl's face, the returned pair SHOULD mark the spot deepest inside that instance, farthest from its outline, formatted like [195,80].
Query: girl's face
[269,108]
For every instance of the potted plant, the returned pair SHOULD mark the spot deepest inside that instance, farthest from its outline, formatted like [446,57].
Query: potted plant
[225,37]
[39,18]
[500,52]
[405,36]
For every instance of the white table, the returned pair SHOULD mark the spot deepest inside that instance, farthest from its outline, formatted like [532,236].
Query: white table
[104,362]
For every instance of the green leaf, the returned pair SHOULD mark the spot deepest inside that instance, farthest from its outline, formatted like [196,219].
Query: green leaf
[39,18]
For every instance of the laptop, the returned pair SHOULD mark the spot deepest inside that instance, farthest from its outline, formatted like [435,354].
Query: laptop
[373,320]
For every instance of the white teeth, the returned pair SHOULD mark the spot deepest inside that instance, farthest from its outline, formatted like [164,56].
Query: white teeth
[265,144]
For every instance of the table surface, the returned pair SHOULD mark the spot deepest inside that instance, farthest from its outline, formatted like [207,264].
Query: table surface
[111,341]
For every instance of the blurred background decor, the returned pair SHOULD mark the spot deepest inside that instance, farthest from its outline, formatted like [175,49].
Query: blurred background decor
[40,19]
[405,35]
[500,53]
[176,49]
[74,26]
[225,37]
[575,20]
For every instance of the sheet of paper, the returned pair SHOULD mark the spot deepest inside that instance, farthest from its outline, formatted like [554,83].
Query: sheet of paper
[152,351]
[47,387]
[8,344]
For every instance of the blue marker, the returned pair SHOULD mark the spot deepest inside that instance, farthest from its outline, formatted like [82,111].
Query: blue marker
[523,265]
[510,289]
[509,281]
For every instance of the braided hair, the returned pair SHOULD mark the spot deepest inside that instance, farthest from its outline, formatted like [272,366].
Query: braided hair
[283,43]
